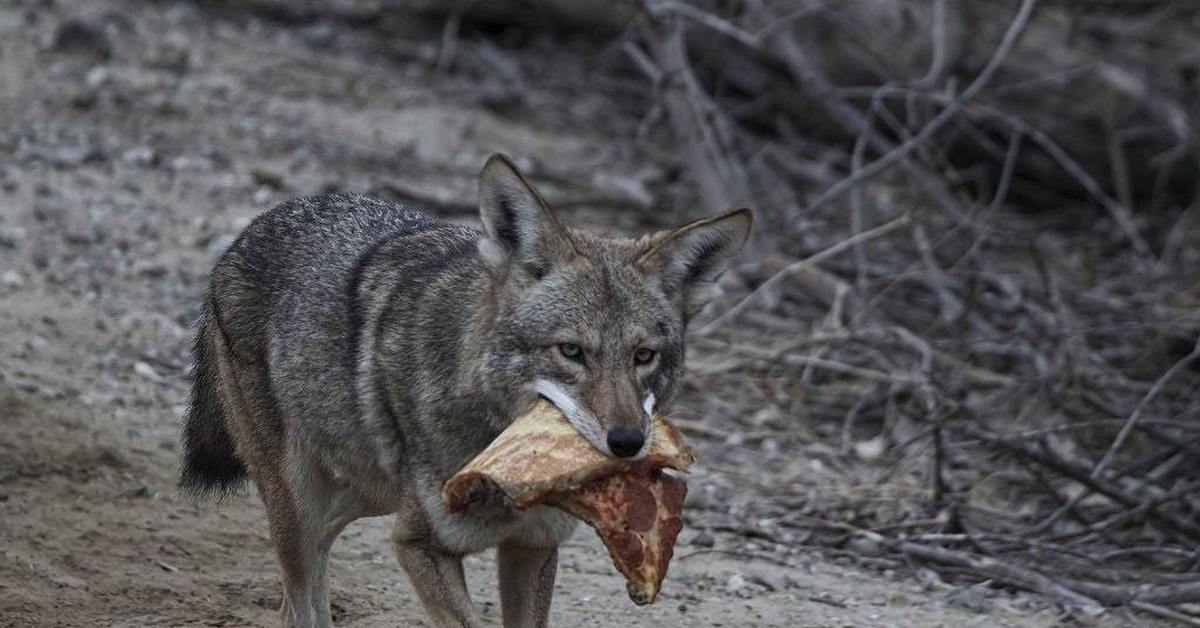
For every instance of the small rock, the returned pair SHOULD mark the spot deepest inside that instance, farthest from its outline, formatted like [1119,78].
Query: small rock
[150,268]
[191,164]
[929,578]
[769,581]
[319,35]
[866,545]
[96,77]
[94,154]
[173,53]
[183,13]
[871,449]
[973,598]
[219,244]
[10,238]
[112,457]
[142,156]
[147,371]
[36,343]
[82,99]
[80,231]
[262,196]
[704,539]
[138,491]
[12,279]
[736,584]
[830,599]
[267,178]
[792,582]
[46,210]
[79,36]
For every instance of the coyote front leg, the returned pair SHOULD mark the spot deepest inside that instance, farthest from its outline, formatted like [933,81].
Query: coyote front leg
[526,584]
[439,581]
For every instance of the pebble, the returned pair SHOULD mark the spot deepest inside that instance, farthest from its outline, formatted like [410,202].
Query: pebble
[929,578]
[319,35]
[267,178]
[262,196]
[191,164]
[79,36]
[12,279]
[830,599]
[183,14]
[36,343]
[10,238]
[866,545]
[221,243]
[96,77]
[971,598]
[150,268]
[769,581]
[736,584]
[147,371]
[142,156]
[172,53]
[45,210]
[703,539]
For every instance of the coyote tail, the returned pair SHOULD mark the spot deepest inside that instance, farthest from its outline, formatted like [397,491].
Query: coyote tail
[210,464]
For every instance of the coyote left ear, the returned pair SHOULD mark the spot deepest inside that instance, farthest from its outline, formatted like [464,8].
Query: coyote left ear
[522,233]
[691,258]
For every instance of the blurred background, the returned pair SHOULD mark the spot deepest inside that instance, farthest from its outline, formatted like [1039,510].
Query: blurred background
[953,379]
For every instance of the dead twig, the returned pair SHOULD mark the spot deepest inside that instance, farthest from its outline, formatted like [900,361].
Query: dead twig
[1130,424]
[1000,571]
[797,267]
[1016,27]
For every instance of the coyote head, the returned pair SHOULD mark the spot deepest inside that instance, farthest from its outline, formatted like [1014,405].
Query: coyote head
[594,324]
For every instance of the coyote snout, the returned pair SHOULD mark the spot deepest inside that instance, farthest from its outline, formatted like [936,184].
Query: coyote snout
[624,418]
[352,354]
[617,429]
[625,442]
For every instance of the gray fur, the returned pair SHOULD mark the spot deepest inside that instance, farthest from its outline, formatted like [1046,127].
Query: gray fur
[365,352]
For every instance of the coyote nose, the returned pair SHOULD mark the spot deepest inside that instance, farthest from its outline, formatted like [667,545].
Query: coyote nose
[624,442]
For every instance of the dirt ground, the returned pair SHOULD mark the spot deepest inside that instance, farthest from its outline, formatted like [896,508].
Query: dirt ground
[135,140]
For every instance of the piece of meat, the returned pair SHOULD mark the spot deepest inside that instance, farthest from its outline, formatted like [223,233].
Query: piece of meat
[635,507]
[638,516]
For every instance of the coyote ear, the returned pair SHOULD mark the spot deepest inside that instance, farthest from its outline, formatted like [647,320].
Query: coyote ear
[522,233]
[691,258]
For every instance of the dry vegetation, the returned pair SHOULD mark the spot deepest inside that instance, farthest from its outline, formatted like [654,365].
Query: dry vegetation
[965,335]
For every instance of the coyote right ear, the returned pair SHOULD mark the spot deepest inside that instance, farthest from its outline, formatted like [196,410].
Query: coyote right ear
[522,233]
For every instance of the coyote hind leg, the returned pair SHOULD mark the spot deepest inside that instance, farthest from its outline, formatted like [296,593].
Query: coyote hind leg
[319,511]
[306,509]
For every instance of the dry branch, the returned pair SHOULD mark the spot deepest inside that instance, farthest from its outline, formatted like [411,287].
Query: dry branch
[1007,334]
[797,267]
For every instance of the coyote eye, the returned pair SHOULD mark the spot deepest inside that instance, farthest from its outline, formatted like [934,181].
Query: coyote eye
[643,356]
[570,350]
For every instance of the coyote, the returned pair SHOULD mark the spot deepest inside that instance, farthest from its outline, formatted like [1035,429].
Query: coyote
[352,354]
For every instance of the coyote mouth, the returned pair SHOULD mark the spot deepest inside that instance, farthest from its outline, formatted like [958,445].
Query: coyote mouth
[586,423]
